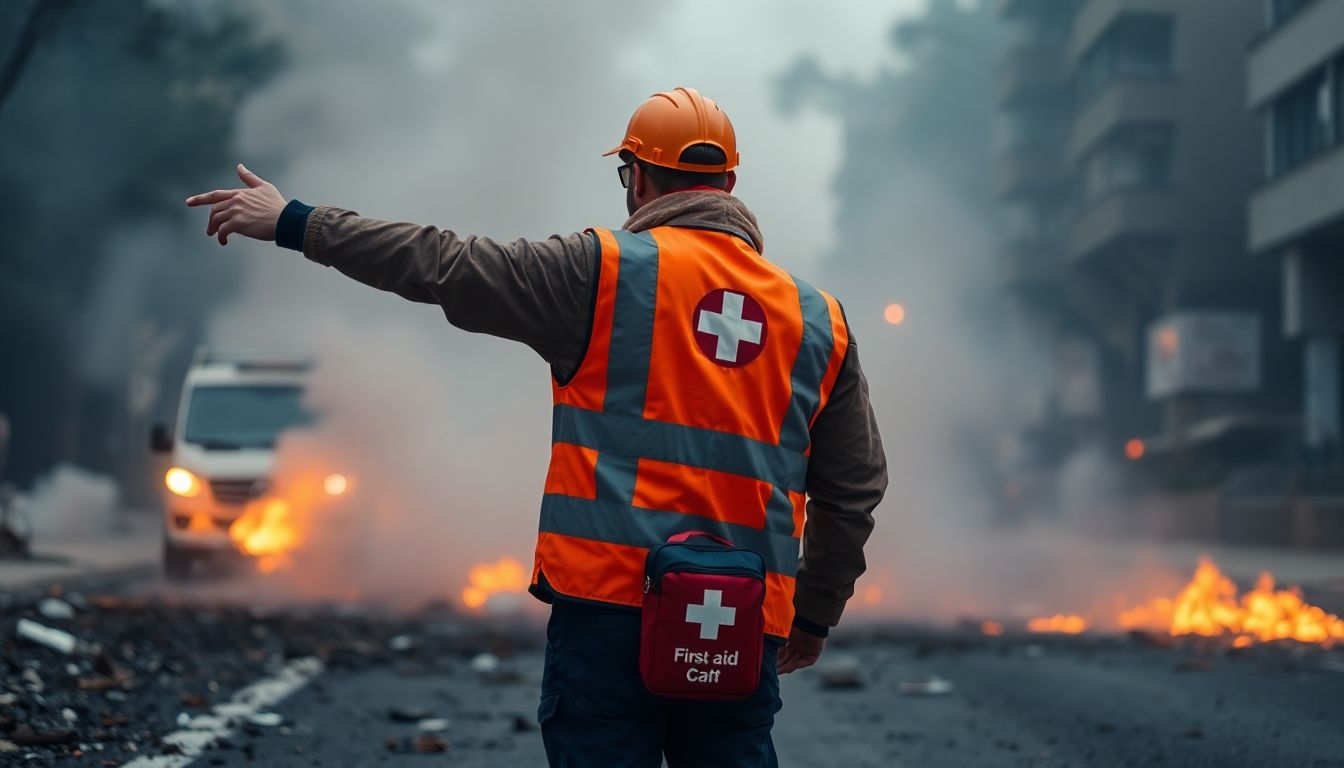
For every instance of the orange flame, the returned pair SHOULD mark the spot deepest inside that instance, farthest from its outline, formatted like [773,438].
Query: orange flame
[267,529]
[1070,624]
[1208,606]
[505,575]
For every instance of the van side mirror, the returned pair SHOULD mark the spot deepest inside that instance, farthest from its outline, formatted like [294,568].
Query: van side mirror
[160,439]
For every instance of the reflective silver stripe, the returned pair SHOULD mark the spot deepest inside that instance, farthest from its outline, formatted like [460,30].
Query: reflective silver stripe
[779,512]
[679,444]
[632,324]
[638,527]
[814,353]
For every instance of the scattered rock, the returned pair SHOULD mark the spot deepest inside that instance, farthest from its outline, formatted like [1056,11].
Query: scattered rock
[266,719]
[932,685]
[409,714]
[53,608]
[485,663]
[432,724]
[26,736]
[428,743]
[841,672]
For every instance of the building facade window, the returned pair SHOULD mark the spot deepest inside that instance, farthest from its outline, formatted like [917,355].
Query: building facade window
[1135,46]
[1304,120]
[1134,157]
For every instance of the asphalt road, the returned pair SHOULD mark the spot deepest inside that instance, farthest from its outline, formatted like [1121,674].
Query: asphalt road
[1015,703]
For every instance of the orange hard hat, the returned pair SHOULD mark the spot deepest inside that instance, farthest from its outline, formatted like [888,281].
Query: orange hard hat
[669,122]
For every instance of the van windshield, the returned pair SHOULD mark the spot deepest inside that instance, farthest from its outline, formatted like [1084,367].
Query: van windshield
[235,417]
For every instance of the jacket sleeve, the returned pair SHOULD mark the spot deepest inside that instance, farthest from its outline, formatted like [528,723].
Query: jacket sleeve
[537,292]
[846,478]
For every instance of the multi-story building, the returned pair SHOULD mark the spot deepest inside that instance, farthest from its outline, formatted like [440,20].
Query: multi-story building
[1295,85]
[1126,157]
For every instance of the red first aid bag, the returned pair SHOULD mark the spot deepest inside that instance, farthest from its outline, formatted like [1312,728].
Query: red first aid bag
[703,625]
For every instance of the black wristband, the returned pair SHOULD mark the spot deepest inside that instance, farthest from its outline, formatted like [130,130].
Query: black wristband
[291,224]
[811,627]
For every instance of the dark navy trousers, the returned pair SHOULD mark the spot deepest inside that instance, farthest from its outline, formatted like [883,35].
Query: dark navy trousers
[596,712]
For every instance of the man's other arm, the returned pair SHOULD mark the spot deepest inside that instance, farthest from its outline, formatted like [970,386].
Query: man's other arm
[846,478]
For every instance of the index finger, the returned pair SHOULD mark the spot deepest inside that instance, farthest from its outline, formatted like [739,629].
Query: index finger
[210,198]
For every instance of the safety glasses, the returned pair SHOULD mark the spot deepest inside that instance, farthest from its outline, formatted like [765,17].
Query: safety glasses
[624,171]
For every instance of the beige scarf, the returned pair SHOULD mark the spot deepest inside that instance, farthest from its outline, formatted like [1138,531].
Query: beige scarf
[699,208]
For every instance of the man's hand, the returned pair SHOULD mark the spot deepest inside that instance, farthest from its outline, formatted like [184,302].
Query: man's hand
[251,212]
[802,650]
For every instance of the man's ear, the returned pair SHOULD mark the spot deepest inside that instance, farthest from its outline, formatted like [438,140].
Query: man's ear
[641,182]
[732,181]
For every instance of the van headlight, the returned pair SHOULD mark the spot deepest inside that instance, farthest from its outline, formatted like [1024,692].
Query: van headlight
[182,482]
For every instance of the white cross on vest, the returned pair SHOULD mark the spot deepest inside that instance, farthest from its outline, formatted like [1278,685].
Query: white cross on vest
[711,614]
[730,327]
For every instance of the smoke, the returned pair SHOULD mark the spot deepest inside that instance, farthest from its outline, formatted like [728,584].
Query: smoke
[71,502]
[463,117]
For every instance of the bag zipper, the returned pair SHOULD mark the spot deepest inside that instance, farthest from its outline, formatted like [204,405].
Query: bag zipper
[729,571]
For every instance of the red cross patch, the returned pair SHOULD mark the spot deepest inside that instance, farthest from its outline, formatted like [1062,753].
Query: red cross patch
[729,327]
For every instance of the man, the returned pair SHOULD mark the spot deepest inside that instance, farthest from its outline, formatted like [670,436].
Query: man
[697,387]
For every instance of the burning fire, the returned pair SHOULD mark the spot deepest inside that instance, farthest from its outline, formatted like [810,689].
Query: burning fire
[1208,606]
[504,576]
[1068,624]
[268,531]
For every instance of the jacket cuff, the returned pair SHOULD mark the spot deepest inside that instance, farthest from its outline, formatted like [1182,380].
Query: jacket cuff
[289,228]
[817,607]
[312,234]
[811,627]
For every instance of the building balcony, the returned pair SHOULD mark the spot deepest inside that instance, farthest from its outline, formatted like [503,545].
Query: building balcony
[1131,214]
[1305,200]
[1029,170]
[1095,16]
[1030,75]
[1304,41]
[1122,102]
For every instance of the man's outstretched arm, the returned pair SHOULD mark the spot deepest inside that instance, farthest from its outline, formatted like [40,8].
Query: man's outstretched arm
[536,292]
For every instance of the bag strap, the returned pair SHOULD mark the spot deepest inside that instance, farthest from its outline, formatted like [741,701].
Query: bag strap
[687,535]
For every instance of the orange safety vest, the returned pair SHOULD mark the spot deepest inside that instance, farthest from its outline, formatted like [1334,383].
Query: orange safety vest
[691,410]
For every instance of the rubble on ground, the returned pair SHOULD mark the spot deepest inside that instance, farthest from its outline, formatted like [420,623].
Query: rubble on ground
[106,678]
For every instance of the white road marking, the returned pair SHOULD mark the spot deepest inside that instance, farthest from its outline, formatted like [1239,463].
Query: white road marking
[203,730]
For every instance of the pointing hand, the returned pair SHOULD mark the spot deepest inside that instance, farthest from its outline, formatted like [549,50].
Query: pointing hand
[251,212]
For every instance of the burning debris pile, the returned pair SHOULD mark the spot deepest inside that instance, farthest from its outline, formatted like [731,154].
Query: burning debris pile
[105,678]
[1209,606]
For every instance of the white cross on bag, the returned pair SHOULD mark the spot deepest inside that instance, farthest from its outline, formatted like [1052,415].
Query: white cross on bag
[711,614]
[730,327]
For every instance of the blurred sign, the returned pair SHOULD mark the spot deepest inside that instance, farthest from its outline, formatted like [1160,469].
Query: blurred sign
[1203,352]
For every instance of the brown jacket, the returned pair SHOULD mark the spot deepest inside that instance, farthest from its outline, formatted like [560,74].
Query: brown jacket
[541,293]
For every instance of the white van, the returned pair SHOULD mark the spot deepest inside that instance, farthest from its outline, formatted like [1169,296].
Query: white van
[222,449]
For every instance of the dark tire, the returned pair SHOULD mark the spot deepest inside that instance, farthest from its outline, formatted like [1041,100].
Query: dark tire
[177,562]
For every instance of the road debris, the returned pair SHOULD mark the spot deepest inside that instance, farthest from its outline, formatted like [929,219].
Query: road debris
[409,714]
[55,608]
[432,725]
[929,686]
[55,639]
